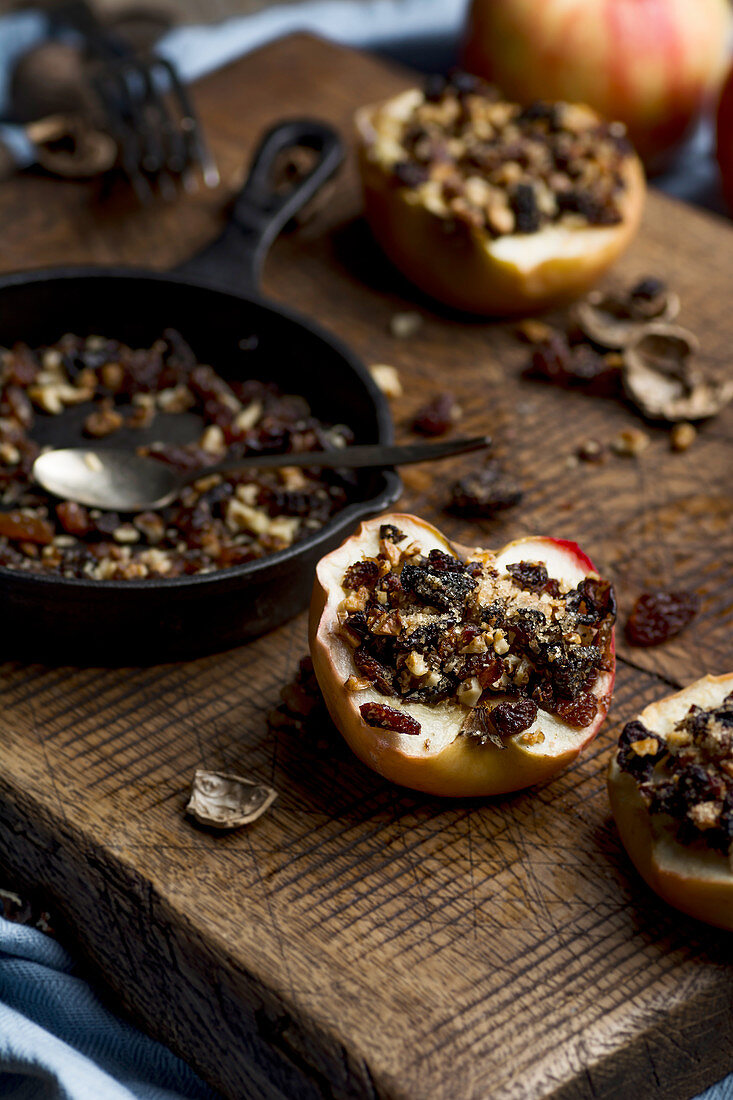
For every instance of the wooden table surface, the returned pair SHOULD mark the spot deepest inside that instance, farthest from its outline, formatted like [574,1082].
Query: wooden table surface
[360,940]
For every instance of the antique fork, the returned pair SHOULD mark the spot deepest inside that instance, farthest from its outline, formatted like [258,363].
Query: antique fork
[148,109]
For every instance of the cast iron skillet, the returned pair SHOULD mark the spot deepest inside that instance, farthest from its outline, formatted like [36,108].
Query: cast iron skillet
[213,300]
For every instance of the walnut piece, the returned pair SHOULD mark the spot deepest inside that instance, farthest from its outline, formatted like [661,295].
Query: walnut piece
[223,800]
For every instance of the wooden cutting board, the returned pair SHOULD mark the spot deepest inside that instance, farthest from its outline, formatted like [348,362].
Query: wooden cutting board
[360,940]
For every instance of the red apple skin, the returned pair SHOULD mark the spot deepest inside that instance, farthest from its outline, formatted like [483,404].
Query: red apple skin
[725,139]
[651,64]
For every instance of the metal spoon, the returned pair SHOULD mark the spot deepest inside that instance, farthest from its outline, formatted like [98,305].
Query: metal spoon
[125,482]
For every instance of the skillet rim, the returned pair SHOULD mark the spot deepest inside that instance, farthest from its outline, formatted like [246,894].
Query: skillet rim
[249,570]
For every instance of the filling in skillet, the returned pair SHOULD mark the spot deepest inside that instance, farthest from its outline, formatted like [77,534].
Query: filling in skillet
[217,521]
[438,628]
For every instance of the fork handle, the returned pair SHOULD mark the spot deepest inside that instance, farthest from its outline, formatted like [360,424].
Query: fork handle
[261,211]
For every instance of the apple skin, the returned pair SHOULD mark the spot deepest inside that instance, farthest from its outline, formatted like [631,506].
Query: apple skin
[725,139]
[651,64]
[457,769]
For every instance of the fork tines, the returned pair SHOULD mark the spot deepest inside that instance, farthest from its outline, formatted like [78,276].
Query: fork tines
[153,121]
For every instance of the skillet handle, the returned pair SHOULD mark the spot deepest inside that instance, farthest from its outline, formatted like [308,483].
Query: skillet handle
[261,211]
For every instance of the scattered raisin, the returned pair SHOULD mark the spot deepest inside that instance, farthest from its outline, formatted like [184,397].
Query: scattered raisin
[437,416]
[484,492]
[658,616]
[387,718]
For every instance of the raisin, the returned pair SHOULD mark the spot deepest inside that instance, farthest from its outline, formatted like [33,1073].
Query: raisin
[648,289]
[409,174]
[592,601]
[357,623]
[511,718]
[434,87]
[531,575]
[632,762]
[464,83]
[21,366]
[443,562]
[523,201]
[484,492]
[362,574]
[578,712]
[372,669]
[179,351]
[438,588]
[18,405]
[554,360]
[490,673]
[437,416]
[657,616]
[551,359]
[541,111]
[16,525]
[74,518]
[391,533]
[387,718]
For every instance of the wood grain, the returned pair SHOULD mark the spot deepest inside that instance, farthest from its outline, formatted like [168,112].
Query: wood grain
[362,941]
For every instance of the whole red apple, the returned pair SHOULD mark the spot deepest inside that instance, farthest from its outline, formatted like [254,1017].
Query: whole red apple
[649,63]
[725,139]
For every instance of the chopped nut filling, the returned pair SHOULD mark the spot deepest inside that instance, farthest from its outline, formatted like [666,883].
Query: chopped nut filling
[688,774]
[437,628]
[473,158]
[217,521]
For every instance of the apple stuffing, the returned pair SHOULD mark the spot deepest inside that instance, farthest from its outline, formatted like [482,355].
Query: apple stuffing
[493,207]
[671,789]
[462,671]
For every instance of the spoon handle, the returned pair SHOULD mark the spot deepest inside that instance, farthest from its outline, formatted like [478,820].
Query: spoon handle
[361,456]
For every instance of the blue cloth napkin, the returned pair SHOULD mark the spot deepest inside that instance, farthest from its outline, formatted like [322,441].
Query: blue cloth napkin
[58,1041]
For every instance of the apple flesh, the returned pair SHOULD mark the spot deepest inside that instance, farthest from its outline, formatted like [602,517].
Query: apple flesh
[438,760]
[692,878]
[652,64]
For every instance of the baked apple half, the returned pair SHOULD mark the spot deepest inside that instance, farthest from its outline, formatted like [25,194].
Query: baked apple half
[671,788]
[458,671]
[493,208]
